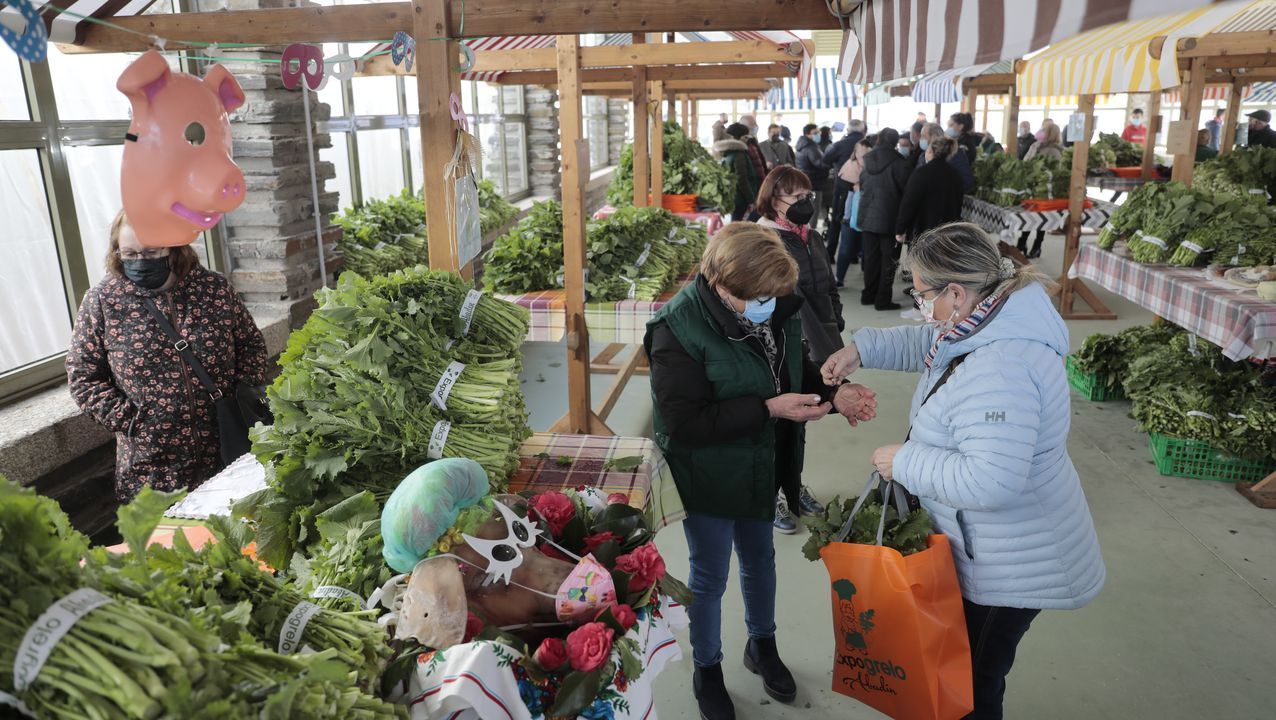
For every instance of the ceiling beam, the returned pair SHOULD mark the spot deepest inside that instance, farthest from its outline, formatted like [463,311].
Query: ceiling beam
[468,18]
[1220,45]
[659,72]
[999,82]
[691,85]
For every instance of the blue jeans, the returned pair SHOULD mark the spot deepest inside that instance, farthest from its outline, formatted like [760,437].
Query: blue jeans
[850,247]
[710,540]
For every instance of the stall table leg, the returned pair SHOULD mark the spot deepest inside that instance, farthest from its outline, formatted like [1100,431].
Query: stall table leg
[1261,493]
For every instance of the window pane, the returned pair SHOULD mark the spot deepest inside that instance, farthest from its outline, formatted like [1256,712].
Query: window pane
[13,99]
[380,163]
[414,145]
[331,93]
[516,158]
[84,85]
[30,277]
[340,160]
[376,96]
[489,134]
[512,97]
[489,99]
[95,180]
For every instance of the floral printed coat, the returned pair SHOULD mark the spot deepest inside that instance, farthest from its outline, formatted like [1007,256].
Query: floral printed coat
[124,372]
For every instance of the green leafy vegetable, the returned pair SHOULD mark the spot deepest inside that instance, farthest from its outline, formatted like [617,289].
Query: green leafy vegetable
[907,534]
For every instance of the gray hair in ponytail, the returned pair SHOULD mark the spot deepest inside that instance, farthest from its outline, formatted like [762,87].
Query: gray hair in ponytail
[963,254]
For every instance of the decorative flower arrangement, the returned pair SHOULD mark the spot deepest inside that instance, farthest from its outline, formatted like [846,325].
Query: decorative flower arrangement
[583,670]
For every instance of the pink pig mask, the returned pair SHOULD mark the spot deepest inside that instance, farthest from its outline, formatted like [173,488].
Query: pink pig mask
[177,177]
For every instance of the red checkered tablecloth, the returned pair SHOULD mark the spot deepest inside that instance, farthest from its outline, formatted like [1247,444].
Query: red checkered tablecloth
[624,321]
[1233,318]
[711,219]
[633,466]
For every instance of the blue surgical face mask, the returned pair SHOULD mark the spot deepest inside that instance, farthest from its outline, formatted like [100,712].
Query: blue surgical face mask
[952,132]
[903,150]
[759,311]
[925,144]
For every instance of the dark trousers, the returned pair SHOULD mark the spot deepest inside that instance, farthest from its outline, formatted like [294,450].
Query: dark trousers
[1036,244]
[841,189]
[879,269]
[994,633]
[849,250]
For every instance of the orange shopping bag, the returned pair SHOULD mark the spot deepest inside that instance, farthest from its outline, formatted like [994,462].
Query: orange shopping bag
[899,627]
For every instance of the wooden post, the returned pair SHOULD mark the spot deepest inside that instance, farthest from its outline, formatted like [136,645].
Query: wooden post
[1012,122]
[1070,288]
[656,92]
[939,110]
[1184,164]
[686,115]
[642,146]
[984,125]
[694,131]
[671,106]
[1228,140]
[1154,127]
[436,81]
[575,155]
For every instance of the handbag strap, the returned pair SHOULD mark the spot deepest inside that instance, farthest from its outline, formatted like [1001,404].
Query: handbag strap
[893,491]
[183,348]
[948,372]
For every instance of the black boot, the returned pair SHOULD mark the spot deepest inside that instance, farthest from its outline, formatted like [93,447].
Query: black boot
[761,658]
[711,694]
[1036,250]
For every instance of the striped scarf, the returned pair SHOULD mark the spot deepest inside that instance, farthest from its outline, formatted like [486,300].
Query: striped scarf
[965,327]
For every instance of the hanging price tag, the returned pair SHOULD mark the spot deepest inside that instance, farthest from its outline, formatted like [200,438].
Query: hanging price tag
[294,627]
[438,438]
[468,307]
[446,382]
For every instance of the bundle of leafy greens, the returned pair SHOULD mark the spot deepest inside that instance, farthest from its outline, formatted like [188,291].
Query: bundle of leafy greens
[1174,211]
[1109,356]
[1003,179]
[1248,173]
[530,256]
[689,169]
[1110,150]
[1235,221]
[906,534]
[495,212]
[362,398]
[1130,217]
[1049,178]
[346,565]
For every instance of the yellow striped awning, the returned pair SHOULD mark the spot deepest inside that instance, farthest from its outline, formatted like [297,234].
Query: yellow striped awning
[1118,58]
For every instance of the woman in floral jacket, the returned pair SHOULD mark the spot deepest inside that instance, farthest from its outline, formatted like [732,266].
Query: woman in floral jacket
[124,372]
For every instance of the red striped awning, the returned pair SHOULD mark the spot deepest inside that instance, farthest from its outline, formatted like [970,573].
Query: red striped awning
[889,39]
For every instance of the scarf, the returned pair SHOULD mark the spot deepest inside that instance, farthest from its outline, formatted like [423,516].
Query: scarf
[786,224]
[965,327]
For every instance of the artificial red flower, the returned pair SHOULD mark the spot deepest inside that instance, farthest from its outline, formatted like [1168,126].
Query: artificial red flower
[625,615]
[594,541]
[589,646]
[554,508]
[473,626]
[645,566]
[552,654]
[618,498]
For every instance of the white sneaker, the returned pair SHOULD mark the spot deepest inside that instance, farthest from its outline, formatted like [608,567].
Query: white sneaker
[913,314]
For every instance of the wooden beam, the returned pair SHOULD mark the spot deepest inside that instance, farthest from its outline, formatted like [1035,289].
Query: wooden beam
[1012,122]
[480,18]
[658,72]
[733,95]
[655,92]
[642,144]
[624,372]
[1228,141]
[994,84]
[1261,493]
[1070,287]
[438,130]
[674,87]
[1185,164]
[574,162]
[1154,127]
[1262,42]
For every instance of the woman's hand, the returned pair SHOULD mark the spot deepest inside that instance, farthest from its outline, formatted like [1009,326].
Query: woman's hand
[856,403]
[797,407]
[840,364]
[884,460]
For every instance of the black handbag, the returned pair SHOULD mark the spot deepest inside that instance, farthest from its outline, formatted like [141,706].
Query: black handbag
[235,413]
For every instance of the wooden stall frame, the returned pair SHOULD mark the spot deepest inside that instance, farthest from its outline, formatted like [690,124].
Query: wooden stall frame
[1070,288]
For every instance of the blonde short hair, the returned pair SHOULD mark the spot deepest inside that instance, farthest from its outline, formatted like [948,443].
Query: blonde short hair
[963,254]
[750,262]
[1053,134]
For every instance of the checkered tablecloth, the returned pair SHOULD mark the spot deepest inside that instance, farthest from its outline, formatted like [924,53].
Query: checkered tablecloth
[634,466]
[608,322]
[711,219]
[1233,318]
[1120,184]
[591,460]
[1008,222]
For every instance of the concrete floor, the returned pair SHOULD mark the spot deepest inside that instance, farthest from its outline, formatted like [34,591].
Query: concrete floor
[1185,628]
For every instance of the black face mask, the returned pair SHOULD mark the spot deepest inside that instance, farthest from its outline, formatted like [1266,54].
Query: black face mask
[775,136]
[800,212]
[147,273]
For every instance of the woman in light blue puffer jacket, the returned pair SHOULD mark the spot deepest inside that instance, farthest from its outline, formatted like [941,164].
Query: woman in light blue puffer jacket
[987,454]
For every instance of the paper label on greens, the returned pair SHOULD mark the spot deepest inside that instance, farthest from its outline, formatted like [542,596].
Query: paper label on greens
[633,287]
[48,629]
[333,591]
[1191,344]
[1234,416]
[642,259]
[675,238]
[446,382]
[438,438]
[1198,413]
[7,699]
[1257,191]
[1155,241]
[1012,191]
[295,627]
[1193,247]
[467,309]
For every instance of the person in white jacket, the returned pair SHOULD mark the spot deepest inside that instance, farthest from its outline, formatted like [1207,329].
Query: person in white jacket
[987,454]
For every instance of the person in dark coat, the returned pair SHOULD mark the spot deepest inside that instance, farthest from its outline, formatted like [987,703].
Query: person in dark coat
[884,178]
[731,391]
[1260,130]
[123,372]
[835,157]
[734,153]
[961,127]
[933,194]
[1026,138]
[776,150]
[756,157]
[810,160]
[959,160]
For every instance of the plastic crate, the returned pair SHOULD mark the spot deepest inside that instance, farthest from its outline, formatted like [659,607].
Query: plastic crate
[1201,461]
[1091,386]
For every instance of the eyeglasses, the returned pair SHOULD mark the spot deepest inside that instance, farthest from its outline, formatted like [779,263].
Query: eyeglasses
[144,255]
[799,197]
[919,296]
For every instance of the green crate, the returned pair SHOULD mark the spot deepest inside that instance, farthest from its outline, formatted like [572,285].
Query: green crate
[1176,457]
[1091,386]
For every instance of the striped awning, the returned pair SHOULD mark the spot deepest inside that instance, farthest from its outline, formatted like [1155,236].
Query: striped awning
[69,28]
[827,92]
[889,39]
[1263,93]
[1212,92]
[880,93]
[1118,58]
[945,85]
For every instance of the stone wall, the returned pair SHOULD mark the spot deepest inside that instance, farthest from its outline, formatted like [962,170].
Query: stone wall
[542,141]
